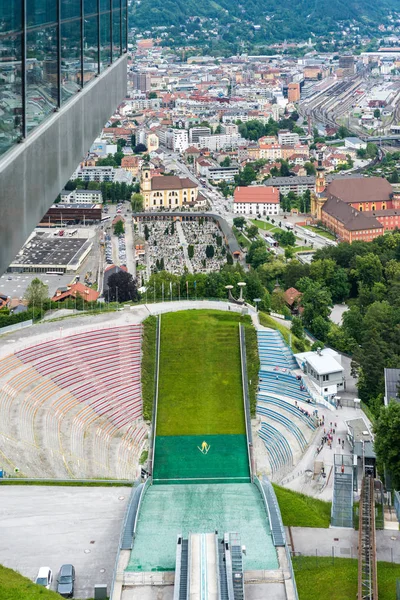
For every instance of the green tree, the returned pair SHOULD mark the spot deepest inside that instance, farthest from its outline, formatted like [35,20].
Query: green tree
[368,269]
[377,113]
[297,327]
[152,95]
[387,440]
[137,202]
[121,288]
[226,162]
[257,254]
[191,251]
[119,228]
[239,222]
[210,251]
[246,176]
[252,231]
[146,232]
[310,168]
[36,293]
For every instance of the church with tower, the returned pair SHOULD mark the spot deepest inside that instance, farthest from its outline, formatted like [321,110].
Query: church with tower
[355,208]
[167,192]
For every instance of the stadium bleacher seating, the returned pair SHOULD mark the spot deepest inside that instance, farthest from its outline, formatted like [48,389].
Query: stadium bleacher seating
[277,447]
[280,393]
[78,399]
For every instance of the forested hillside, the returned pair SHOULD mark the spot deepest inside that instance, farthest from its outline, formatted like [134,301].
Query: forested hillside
[295,19]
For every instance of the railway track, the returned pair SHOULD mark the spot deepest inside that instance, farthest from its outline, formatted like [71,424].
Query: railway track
[367,567]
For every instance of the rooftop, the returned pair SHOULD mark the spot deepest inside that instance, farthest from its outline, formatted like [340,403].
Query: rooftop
[172,182]
[257,193]
[371,189]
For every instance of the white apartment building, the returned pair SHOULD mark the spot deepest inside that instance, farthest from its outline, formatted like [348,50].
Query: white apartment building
[98,174]
[195,133]
[220,141]
[222,173]
[230,129]
[177,140]
[256,200]
[81,197]
[287,138]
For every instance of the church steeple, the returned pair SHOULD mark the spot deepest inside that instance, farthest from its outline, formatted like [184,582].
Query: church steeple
[320,181]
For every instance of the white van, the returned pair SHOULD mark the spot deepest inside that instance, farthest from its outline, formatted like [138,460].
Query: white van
[289,226]
[44,577]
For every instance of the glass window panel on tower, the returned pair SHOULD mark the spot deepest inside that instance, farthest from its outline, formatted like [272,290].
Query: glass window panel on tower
[41,75]
[70,9]
[90,7]
[124,27]
[90,49]
[105,36]
[116,17]
[10,91]
[40,12]
[71,48]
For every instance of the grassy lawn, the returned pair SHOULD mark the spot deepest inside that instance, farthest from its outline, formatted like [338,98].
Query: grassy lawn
[253,365]
[299,510]
[14,586]
[148,365]
[302,248]
[200,387]
[241,240]
[264,225]
[325,234]
[324,575]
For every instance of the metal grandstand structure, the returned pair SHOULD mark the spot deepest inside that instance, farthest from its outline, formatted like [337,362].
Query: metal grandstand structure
[367,567]
[342,504]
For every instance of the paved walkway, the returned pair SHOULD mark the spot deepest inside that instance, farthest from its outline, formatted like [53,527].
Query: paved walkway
[130,248]
[184,245]
[342,542]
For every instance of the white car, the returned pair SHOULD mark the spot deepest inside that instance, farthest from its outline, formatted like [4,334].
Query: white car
[44,577]
[312,234]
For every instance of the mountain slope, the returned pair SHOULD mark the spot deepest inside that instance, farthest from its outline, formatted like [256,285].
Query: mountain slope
[292,20]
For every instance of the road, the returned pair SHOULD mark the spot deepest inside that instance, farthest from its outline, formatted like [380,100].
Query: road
[217,202]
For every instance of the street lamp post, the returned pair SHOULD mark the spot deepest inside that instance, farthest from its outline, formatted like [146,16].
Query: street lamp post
[256,300]
[241,285]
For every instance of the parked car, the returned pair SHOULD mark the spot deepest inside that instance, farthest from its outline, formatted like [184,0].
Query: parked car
[44,577]
[65,581]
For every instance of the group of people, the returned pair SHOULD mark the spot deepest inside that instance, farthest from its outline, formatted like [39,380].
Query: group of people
[328,438]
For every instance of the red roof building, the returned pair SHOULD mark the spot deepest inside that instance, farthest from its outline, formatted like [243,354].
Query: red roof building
[256,200]
[75,290]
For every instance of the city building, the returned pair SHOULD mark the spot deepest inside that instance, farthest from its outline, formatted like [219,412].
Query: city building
[195,133]
[81,197]
[254,200]
[141,81]
[62,214]
[294,92]
[62,73]
[217,174]
[98,174]
[167,192]
[324,370]
[177,140]
[73,291]
[288,138]
[49,253]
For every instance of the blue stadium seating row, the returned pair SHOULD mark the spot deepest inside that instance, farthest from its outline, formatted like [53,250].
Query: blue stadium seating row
[280,403]
[280,388]
[277,447]
[286,422]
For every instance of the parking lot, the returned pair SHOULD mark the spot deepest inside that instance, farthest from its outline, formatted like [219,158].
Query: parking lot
[15,284]
[46,526]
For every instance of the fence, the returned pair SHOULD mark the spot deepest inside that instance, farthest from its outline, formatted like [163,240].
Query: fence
[16,326]
[397,504]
